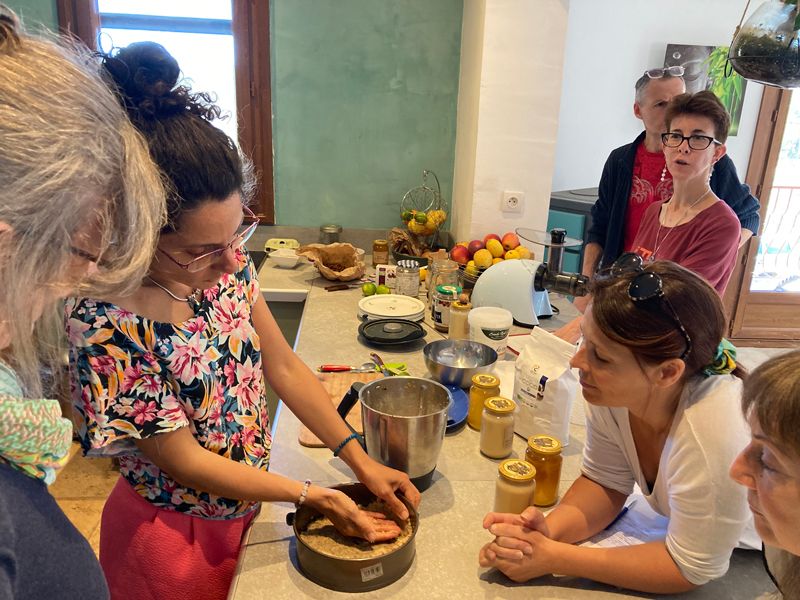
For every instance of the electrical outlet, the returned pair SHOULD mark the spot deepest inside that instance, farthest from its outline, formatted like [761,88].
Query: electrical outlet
[512,202]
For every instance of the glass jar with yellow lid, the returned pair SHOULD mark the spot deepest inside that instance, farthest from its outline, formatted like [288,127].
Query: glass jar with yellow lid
[497,427]
[544,453]
[515,486]
[483,386]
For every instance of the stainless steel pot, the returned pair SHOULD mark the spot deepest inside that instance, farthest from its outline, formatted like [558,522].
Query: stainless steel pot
[352,574]
[404,424]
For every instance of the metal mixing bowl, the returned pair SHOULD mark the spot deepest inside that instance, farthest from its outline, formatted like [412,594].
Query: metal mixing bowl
[454,362]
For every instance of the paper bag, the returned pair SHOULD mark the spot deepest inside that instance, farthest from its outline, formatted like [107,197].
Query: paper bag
[544,386]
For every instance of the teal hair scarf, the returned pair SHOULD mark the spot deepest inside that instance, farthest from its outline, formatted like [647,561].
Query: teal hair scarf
[724,361]
[34,437]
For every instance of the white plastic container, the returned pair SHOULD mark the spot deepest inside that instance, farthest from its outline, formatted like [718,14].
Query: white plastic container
[490,325]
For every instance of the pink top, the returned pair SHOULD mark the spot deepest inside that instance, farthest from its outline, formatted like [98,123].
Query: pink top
[707,244]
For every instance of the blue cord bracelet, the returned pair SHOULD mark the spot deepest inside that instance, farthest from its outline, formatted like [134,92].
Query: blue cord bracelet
[343,443]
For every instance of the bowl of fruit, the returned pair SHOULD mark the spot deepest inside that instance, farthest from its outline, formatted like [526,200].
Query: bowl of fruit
[478,255]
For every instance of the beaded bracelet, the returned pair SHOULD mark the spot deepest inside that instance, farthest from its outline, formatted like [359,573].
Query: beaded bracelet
[303,493]
[343,443]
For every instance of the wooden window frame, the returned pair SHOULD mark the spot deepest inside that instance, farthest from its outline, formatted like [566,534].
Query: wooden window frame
[250,27]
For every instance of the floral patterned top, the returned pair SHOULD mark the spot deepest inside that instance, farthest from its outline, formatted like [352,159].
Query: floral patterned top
[135,378]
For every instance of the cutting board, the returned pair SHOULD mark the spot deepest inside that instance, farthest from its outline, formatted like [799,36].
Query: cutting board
[337,384]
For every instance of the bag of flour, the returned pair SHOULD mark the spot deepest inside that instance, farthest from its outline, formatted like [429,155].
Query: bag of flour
[544,386]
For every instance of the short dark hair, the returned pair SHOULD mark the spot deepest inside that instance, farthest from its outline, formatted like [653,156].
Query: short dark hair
[702,104]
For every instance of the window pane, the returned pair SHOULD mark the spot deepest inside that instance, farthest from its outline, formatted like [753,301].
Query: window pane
[198,9]
[206,61]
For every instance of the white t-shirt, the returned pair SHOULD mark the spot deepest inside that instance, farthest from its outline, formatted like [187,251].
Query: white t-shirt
[707,511]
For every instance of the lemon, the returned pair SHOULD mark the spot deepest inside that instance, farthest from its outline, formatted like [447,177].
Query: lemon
[368,289]
[383,289]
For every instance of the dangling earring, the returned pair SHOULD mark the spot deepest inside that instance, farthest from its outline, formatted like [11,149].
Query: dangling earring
[664,172]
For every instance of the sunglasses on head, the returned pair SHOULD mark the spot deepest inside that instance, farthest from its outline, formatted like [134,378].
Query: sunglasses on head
[673,71]
[647,286]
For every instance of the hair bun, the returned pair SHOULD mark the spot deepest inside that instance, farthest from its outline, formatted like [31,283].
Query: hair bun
[9,30]
[145,75]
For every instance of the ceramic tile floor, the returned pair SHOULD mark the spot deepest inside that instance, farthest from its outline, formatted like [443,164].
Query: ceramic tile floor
[83,486]
[81,490]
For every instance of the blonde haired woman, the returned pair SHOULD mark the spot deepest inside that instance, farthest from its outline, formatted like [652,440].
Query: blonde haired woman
[769,467]
[77,190]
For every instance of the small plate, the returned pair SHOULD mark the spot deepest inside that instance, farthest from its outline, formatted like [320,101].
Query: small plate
[394,306]
[457,413]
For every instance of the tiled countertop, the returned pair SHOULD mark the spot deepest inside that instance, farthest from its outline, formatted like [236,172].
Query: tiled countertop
[450,533]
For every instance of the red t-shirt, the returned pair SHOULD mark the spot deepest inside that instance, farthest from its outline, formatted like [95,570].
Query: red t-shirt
[646,189]
[707,244]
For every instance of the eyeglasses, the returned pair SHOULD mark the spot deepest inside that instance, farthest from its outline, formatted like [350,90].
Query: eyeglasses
[673,71]
[673,139]
[206,260]
[647,286]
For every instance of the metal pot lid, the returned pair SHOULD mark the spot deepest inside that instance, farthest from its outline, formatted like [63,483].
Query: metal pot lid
[391,331]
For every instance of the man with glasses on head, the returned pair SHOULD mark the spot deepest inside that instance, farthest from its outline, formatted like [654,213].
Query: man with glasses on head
[636,176]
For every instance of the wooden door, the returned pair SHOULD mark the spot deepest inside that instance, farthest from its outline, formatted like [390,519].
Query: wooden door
[766,311]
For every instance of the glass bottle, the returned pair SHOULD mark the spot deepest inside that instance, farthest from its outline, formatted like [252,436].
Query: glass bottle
[515,486]
[544,453]
[483,386]
[497,427]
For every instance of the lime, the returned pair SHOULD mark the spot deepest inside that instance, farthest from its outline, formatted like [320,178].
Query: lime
[421,218]
[368,289]
[383,289]
[407,215]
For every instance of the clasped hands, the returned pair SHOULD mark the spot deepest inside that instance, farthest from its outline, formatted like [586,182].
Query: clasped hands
[522,548]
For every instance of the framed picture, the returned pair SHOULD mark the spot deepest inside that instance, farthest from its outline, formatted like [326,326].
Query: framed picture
[705,70]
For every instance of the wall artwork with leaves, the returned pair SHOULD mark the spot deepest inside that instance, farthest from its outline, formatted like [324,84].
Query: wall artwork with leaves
[705,70]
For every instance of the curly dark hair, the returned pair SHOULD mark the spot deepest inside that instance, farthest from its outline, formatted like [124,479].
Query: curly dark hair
[199,161]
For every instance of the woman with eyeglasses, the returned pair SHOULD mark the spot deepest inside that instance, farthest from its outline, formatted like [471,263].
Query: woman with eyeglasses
[694,228]
[171,379]
[80,207]
[661,413]
[769,467]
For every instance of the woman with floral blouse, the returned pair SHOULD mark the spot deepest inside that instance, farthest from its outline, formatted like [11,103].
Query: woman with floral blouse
[170,379]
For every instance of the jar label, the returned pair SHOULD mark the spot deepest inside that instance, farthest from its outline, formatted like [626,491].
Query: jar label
[495,335]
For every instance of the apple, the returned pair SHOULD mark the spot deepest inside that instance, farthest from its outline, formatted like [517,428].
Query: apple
[510,240]
[459,254]
[474,246]
[490,236]
[465,244]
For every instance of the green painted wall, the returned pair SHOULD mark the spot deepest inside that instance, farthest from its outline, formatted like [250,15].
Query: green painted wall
[35,13]
[364,98]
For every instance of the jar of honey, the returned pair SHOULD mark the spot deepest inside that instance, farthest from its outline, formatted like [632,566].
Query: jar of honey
[544,453]
[380,253]
[497,427]
[483,386]
[515,486]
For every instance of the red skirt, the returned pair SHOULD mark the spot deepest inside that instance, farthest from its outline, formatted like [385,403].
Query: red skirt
[151,553]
